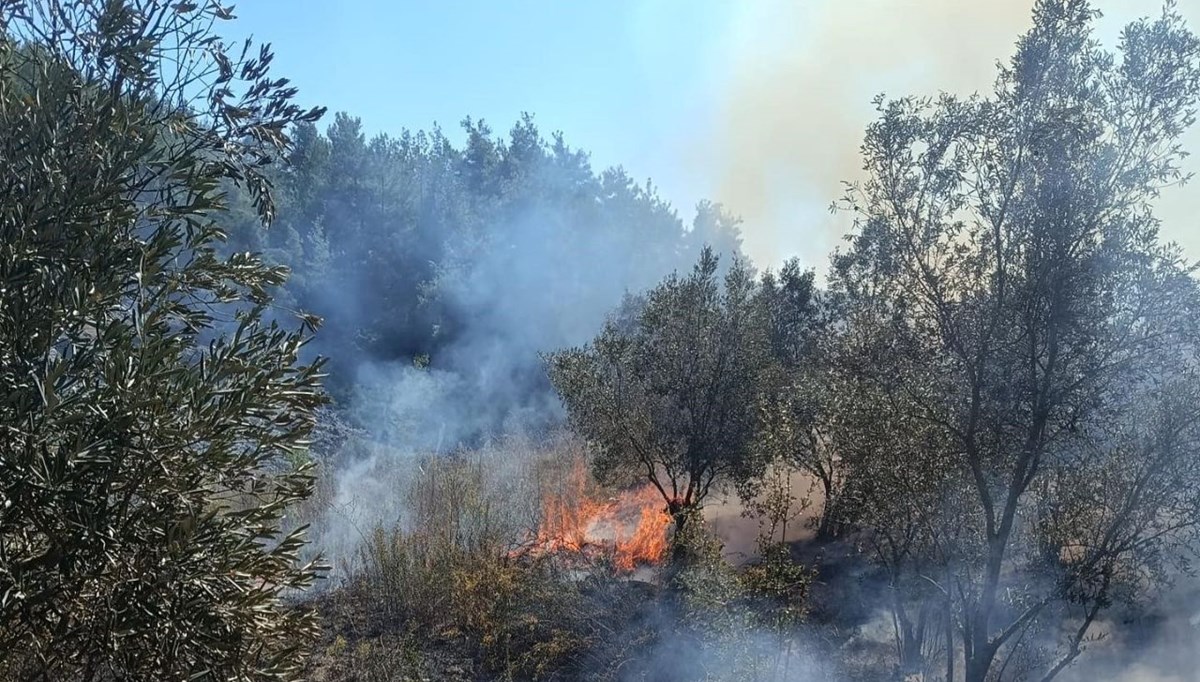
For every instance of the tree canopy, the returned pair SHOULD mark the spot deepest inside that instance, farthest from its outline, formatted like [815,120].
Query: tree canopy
[1016,359]
[670,390]
[150,419]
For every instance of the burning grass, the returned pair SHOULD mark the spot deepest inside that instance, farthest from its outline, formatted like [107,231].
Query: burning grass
[630,528]
[511,557]
[513,563]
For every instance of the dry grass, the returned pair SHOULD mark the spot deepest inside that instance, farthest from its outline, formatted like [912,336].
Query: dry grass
[440,587]
[447,576]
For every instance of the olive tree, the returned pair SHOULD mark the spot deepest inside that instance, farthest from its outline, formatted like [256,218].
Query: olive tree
[1018,368]
[796,415]
[152,419]
[669,391]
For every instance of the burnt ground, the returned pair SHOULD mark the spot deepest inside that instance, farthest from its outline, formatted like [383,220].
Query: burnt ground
[617,629]
[360,641]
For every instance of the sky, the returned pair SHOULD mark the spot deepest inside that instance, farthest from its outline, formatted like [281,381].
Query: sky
[758,104]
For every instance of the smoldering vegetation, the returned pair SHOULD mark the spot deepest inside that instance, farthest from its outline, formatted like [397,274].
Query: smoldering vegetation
[441,273]
[971,456]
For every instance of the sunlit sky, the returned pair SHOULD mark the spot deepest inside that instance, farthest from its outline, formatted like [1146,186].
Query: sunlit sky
[626,80]
[758,104]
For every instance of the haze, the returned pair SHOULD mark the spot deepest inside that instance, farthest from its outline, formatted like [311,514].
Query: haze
[759,105]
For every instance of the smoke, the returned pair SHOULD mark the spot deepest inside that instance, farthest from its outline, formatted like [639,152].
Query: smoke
[540,279]
[792,114]
[802,77]
[1157,644]
[753,653]
[798,98]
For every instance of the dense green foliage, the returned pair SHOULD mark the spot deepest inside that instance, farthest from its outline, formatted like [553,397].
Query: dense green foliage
[670,390]
[147,412]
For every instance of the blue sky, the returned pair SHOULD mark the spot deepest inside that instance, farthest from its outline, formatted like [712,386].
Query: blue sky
[627,81]
[759,104]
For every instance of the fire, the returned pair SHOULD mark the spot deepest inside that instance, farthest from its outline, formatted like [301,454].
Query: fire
[631,527]
[637,525]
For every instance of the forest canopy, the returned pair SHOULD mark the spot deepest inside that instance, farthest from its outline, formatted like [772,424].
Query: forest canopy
[466,259]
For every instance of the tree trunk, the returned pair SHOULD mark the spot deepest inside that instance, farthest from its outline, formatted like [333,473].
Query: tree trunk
[825,526]
[681,549]
[979,664]
[950,653]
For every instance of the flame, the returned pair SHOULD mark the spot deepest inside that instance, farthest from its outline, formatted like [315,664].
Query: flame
[648,542]
[630,527]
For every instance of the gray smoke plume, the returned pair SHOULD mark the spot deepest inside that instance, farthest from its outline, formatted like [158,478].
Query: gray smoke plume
[542,281]
[797,99]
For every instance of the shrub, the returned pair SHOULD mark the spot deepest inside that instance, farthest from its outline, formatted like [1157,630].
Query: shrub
[150,413]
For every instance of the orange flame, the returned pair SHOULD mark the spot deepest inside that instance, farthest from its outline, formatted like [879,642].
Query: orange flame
[632,526]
